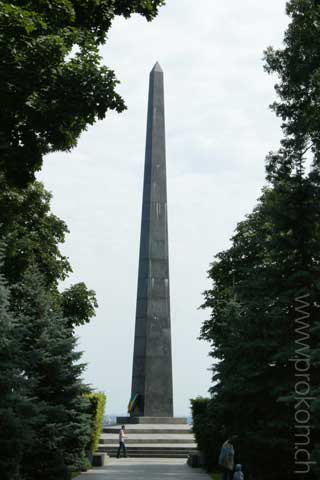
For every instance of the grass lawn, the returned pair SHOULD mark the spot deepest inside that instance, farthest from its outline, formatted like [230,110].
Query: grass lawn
[74,474]
[215,476]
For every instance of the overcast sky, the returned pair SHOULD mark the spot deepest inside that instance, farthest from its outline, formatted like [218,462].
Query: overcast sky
[219,130]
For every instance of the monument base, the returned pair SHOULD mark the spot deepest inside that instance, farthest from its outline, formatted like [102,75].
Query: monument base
[150,440]
[152,420]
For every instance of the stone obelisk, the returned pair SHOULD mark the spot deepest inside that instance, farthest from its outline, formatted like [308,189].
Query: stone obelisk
[152,362]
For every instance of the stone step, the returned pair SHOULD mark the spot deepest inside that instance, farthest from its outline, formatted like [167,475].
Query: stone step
[152,420]
[145,441]
[153,455]
[147,438]
[145,452]
[150,429]
[147,446]
[150,440]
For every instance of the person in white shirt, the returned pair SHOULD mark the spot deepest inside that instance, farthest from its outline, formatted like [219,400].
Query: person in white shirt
[122,445]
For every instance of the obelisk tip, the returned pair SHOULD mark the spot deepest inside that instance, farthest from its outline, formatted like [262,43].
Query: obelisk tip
[157,68]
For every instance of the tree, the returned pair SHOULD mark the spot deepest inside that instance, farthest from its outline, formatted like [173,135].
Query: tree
[16,408]
[297,66]
[32,233]
[61,426]
[253,331]
[32,236]
[53,84]
[265,296]
[78,304]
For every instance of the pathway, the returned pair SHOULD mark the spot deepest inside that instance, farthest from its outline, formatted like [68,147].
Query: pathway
[145,469]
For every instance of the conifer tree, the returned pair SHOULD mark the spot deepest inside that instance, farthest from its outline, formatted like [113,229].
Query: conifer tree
[265,295]
[62,428]
[16,408]
[253,327]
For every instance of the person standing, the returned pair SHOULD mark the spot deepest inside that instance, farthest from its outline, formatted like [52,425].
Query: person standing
[226,459]
[238,475]
[122,445]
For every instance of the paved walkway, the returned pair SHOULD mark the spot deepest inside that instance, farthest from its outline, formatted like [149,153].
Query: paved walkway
[145,469]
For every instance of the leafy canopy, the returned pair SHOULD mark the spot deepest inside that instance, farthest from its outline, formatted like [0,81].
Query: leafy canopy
[273,261]
[52,82]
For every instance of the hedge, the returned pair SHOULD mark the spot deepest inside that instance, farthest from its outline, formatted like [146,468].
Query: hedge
[199,409]
[96,410]
[207,428]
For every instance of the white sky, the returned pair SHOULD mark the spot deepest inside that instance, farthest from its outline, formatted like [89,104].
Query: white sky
[219,130]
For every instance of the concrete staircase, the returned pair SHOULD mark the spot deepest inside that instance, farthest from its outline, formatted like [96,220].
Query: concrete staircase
[150,441]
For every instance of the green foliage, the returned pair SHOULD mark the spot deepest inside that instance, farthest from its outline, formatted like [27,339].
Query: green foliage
[274,259]
[78,304]
[297,66]
[96,410]
[216,476]
[15,406]
[199,409]
[32,233]
[53,84]
[32,236]
[51,364]
[199,406]
[208,430]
